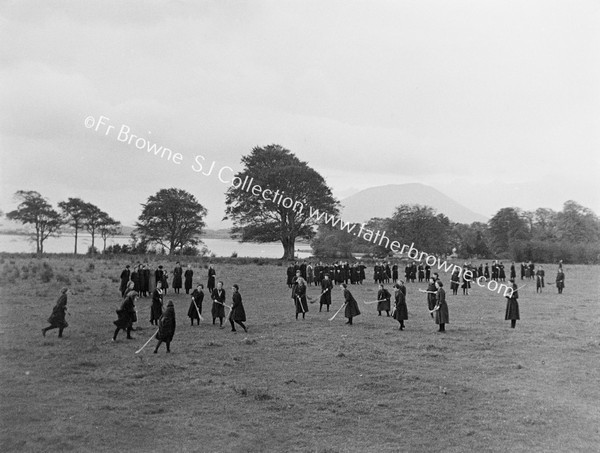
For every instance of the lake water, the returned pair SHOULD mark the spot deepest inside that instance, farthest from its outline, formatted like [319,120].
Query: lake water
[14,243]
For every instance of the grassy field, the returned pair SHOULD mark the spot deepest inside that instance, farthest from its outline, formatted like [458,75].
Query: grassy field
[287,385]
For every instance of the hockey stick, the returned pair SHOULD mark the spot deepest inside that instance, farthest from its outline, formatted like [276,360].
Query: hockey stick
[146,343]
[336,313]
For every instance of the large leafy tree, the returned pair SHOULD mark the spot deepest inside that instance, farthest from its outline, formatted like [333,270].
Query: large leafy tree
[506,226]
[577,224]
[74,214]
[35,210]
[259,218]
[172,218]
[422,225]
[108,227]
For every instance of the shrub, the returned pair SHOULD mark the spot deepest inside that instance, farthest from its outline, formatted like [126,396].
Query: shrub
[46,273]
[64,279]
[90,267]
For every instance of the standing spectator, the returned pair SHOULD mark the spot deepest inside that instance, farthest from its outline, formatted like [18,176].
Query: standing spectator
[177,274]
[188,275]
[125,274]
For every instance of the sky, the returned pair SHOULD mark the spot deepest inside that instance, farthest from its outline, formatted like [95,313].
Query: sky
[496,103]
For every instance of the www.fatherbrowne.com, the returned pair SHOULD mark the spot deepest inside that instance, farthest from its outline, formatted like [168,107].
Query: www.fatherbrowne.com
[379,238]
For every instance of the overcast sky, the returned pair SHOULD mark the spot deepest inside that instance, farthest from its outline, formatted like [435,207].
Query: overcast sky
[496,103]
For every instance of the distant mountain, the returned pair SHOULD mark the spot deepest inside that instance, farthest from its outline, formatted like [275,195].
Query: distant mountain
[382,201]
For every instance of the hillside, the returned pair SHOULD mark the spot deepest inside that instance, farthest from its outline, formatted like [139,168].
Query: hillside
[381,201]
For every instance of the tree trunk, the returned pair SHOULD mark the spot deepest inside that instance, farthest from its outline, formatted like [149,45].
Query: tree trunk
[38,244]
[288,248]
[104,245]
[93,239]
[75,241]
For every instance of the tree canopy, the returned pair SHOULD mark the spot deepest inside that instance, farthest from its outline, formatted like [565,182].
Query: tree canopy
[74,214]
[172,218]
[35,210]
[262,216]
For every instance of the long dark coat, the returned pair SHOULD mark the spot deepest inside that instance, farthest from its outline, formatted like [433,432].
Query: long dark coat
[218,310]
[157,305]
[384,296]
[351,309]
[211,279]
[189,274]
[177,273]
[512,306]
[197,298]
[326,296]
[135,278]
[237,308]
[441,315]
[300,299]
[124,280]
[57,318]
[166,325]
[401,313]
[145,284]
[431,297]
[126,314]
[560,280]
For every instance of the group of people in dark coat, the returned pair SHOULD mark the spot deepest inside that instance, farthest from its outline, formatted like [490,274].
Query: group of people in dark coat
[338,272]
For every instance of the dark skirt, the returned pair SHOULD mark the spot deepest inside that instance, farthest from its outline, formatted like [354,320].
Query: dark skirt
[401,313]
[384,305]
[512,309]
[155,312]
[218,310]
[352,309]
[431,301]
[193,312]
[441,315]
[301,304]
[238,314]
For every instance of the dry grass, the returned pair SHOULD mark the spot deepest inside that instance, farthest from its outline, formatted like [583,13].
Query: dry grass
[292,385]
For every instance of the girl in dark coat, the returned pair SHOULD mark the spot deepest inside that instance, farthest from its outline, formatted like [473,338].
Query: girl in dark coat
[158,275]
[442,316]
[351,309]
[165,282]
[300,297]
[218,306]
[454,282]
[212,275]
[57,318]
[401,311]
[177,274]
[237,313]
[326,287]
[166,327]
[383,296]
[512,306]
[124,280]
[188,275]
[145,280]
[135,278]
[157,304]
[127,315]
[195,309]
[560,280]
[431,295]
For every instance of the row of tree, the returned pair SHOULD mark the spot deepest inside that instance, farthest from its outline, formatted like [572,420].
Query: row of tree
[35,210]
[173,219]
[544,235]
